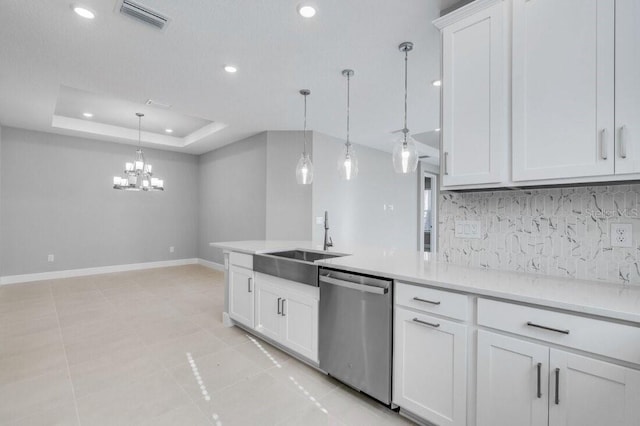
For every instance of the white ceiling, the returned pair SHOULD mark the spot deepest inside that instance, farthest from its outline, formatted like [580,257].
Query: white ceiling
[73,103]
[44,46]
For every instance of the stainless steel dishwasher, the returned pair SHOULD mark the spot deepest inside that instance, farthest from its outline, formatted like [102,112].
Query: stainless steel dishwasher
[355,341]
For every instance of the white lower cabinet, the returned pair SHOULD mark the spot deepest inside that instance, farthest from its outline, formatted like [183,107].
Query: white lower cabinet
[508,381]
[588,392]
[241,301]
[430,375]
[528,384]
[287,313]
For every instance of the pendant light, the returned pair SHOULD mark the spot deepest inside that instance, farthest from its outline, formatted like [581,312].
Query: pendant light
[405,152]
[348,162]
[138,174]
[304,169]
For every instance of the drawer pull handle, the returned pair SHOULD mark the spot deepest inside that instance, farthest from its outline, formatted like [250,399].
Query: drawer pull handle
[557,401]
[249,285]
[279,300]
[539,389]
[283,314]
[430,324]
[557,330]
[426,301]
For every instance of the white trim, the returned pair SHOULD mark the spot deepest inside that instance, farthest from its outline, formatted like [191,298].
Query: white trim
[226,320]
[14,279]
[211,265]
[468,9]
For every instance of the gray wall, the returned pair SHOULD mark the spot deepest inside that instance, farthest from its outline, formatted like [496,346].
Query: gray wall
[288,204]
[56,197]
[357,213]
[0,200]
[232,197]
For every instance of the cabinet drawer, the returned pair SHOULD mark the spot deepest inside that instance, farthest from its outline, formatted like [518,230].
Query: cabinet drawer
[601,337]
[425,299]
[241,259]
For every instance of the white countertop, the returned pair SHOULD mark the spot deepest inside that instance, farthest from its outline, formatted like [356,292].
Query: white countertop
[610,300]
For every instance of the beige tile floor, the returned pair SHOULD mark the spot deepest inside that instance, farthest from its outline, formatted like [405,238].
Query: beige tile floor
[148,348]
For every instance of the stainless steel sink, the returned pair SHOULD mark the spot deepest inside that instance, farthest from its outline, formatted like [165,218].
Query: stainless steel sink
[308,256]
[294,265]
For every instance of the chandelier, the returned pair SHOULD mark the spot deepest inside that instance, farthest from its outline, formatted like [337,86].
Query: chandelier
[138,174]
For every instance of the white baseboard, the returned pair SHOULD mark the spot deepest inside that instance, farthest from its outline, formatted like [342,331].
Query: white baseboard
[211,265]
[14,279]
[226,320]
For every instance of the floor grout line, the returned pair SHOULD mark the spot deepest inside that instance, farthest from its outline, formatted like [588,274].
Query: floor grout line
[66,358]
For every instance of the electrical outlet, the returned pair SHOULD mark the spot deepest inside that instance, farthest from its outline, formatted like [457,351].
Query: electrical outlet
[621,235]
[50,258]
[319,220]
[172,249]
[468,229]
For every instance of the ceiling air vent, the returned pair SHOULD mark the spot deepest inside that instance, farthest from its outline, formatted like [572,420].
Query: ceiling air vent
[144,14]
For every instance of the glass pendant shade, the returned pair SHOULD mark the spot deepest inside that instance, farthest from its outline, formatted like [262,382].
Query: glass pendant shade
[405,151]
[304,170]
[348,163]
[405,155]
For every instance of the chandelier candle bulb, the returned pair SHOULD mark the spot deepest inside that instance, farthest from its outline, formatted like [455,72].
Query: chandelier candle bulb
[128,167]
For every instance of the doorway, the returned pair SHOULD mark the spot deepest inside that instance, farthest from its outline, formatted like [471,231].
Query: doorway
[428,204]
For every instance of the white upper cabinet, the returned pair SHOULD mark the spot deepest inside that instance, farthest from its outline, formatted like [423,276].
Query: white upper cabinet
[627,109]
[474,97]
[563,88]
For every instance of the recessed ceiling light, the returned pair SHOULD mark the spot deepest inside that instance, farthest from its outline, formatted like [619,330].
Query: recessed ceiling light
[168,130]
[437,130]
[87,114]
[306,11]
[437,83]
[230,68]
[84,12]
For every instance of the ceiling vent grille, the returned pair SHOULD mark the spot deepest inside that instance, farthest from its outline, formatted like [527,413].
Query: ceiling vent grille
[144,14]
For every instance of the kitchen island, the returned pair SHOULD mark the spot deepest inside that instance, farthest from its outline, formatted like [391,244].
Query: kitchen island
[483,347]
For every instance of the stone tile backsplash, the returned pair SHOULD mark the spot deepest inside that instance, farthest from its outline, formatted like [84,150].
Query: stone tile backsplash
[559,231]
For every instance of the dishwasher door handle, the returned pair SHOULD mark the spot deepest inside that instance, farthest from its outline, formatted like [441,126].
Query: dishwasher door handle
[354,286]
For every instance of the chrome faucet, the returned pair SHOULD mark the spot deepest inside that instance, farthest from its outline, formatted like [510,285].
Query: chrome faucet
[328,242]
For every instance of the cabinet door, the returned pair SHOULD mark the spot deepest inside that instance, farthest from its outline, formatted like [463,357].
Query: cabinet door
[627,86]
[241,295]
[591,392]
[430,374]
[474,99]
[512,381]
[563,88]
[268,309]
[300,326]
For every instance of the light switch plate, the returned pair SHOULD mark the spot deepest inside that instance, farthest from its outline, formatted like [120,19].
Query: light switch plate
[468,229]
[319,220]
[621,235]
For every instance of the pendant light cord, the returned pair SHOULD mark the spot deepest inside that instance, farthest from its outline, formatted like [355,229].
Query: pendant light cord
[348,108]
[305,127]
[406,60]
